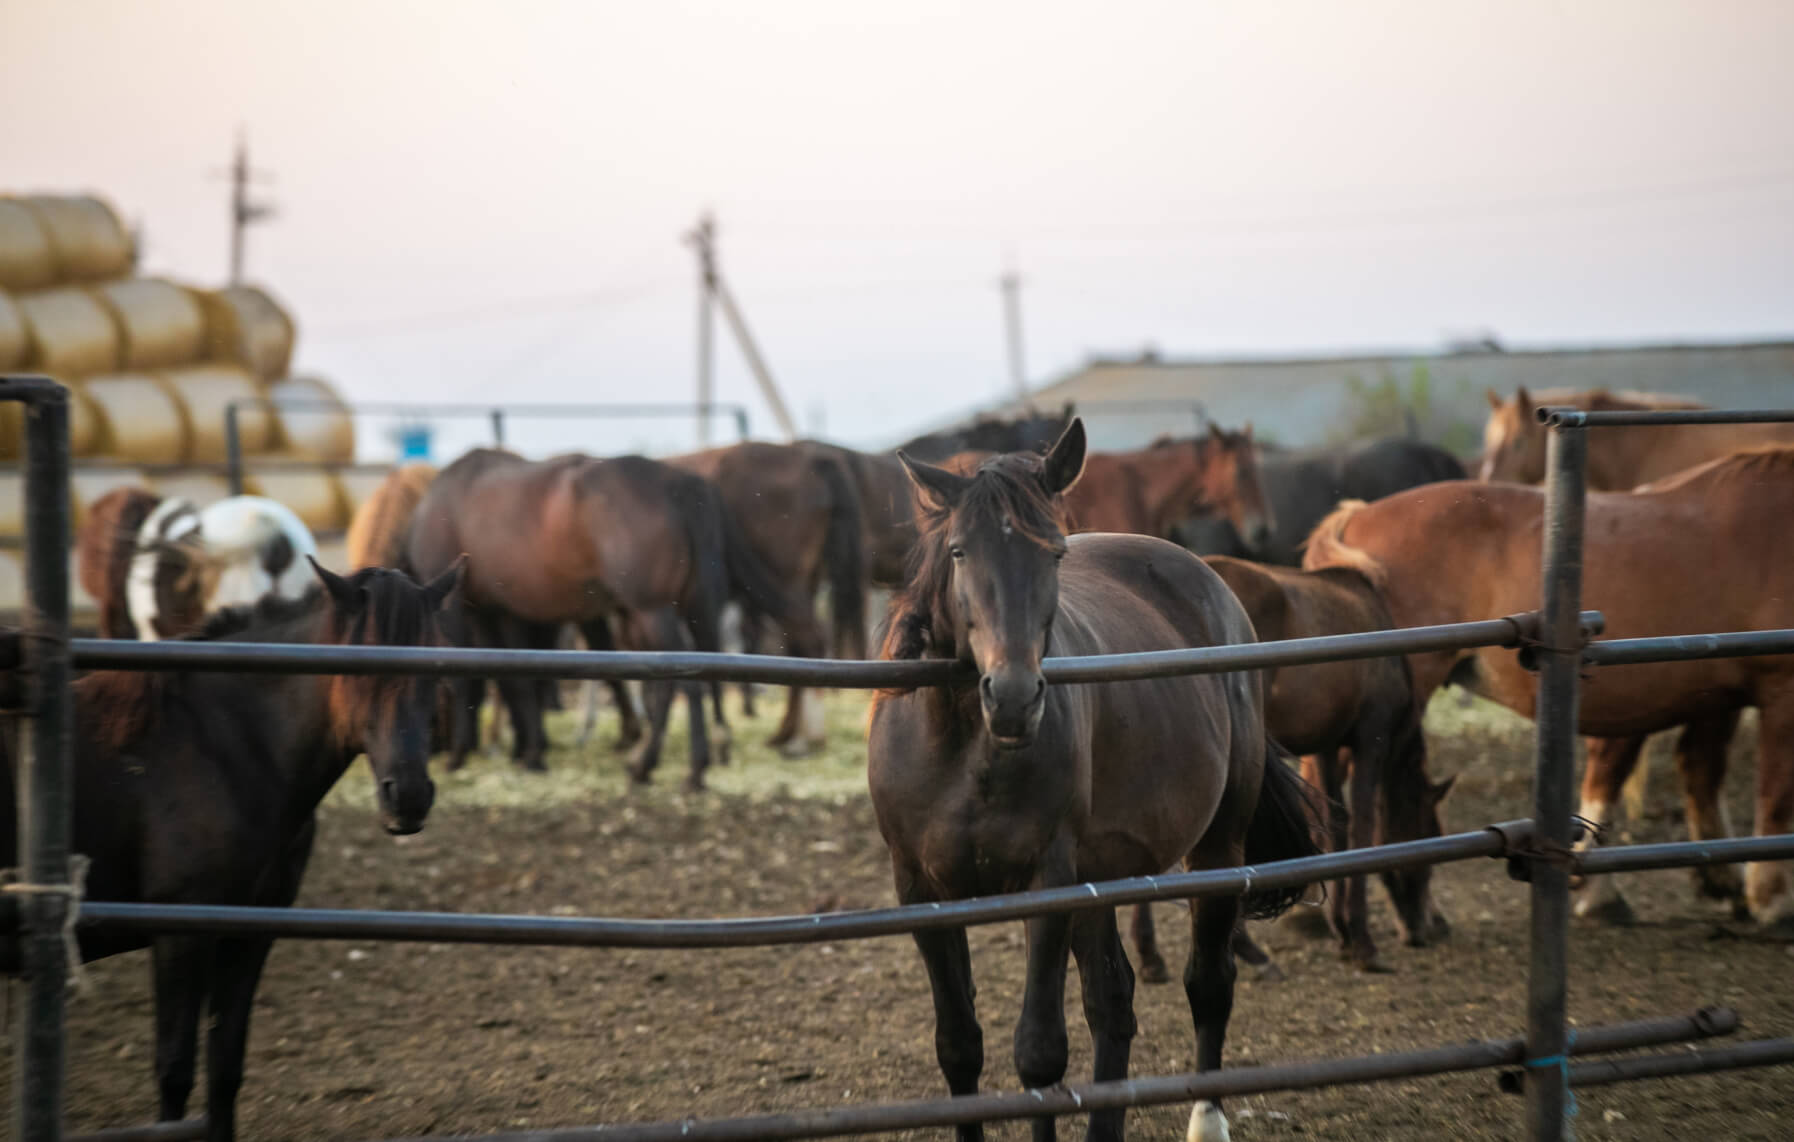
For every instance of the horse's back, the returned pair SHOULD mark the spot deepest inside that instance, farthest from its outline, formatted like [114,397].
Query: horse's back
[380,528]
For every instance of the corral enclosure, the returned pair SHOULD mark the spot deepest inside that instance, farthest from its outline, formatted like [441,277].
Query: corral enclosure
[364,1040]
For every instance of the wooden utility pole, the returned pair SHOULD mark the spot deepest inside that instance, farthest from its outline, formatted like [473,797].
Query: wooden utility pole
[243,210]
[1011,285]
[712,288]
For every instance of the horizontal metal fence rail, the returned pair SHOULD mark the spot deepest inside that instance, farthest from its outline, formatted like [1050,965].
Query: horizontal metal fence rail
[601,932]
[1682,647]
[1684,854]
[1155,1091]
[1690,1061]
[1643,418]
[299,658]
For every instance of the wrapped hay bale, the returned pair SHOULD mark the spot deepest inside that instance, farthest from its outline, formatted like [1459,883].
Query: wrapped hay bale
[313,494]
[86,485]
[204,391]
[84,426]
[27,260]
[72,335]
[159,323]
[315,424]
[140,420]
[15,338]
[245,325]
[89,241]
[202,488]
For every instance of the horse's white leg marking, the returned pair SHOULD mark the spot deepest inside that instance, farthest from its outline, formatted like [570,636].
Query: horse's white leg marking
[813,729]
[1766,887]
[1207,1124]
[1597,892]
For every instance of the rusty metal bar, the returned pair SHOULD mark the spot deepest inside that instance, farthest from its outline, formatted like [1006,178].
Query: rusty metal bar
[1560,662]
[1153,1091]
[1581,418]
[296,658]
[603,932]
[45,887]
[1682,647]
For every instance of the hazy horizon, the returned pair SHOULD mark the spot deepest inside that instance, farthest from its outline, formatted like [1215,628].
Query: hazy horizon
[485,203]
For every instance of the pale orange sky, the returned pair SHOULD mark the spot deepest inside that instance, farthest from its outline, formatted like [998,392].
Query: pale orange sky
[484,200]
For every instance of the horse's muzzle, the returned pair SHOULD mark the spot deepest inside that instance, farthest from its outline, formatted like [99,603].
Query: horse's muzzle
[404,805]
[1013,702]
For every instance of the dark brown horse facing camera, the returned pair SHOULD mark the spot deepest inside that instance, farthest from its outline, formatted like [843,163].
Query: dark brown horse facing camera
[1005,783]
[201,789]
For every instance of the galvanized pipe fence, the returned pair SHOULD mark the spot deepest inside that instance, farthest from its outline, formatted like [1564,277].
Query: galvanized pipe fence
[1537,849]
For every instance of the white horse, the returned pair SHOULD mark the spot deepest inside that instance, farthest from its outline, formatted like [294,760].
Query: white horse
[233,553]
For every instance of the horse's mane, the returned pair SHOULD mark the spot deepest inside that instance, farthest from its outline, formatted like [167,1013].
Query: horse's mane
[1748,463]
[124,704]
[1326,546]
[1006,490]
[379,530]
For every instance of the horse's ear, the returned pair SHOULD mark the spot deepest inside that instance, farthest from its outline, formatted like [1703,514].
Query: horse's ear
[938,488]
[1247,432]
[1495,401]
[1523,402]
[342,592]
[1437,791]
[1065,463]
[437,590]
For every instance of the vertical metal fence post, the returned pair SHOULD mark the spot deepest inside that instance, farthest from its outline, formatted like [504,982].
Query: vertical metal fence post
[498,427]
[1560,662]
[741,423]
[45,804]
[233,450]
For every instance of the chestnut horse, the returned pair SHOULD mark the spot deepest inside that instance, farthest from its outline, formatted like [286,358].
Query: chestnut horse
[1003,783]
[799,512]
[381,525]
[584,541]
[1153,490]
[201,788]
[104,545]
[1706,550]
[1620,458]
[1354,722]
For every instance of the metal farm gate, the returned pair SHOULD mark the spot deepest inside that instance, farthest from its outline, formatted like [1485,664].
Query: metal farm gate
[1537,850]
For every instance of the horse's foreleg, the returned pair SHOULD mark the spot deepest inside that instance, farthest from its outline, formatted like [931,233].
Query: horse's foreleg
[1610,762]
[1766,883]
[700,736]
[958,1040]
[1208,984]
[1041,1048]
[1362,833]
[1701,761]
[181,965]
[658,697]
[1108,984]
[1330,769]
[1146,946]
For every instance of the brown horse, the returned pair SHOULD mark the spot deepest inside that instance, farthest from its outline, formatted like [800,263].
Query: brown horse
[381,525]
[1619,459]
[1155,489]
[799,512]
[887,509]
[589,542]
[1004,783]
[201,788]
[1665,559]
[1354,723]
[104,547]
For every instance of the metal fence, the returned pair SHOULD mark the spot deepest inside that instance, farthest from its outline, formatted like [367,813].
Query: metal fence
[1537,849]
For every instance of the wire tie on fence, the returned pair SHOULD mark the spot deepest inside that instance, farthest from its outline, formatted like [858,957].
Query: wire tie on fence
[1562,1063]
[73,892]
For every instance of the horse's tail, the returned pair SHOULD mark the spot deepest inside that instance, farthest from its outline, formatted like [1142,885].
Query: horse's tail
[844,556]
[1286,825]
[1326,546]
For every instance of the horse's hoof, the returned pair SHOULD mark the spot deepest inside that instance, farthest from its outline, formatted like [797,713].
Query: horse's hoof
[1373,964]
[1613,911]
[1309,922]
[532,765]
[1718,882]
[456,763]
[792,750]
[1153,971]
[1438,929]
[1269,972]
[694,785]
[1207,1124]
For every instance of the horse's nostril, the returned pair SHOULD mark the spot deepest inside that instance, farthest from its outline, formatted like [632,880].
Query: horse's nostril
[1039,688]
[389,789]
[984,685]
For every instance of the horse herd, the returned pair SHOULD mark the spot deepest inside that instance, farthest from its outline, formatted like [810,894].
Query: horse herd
[1002,544]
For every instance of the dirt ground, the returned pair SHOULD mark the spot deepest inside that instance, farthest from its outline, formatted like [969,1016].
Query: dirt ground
[360,1040]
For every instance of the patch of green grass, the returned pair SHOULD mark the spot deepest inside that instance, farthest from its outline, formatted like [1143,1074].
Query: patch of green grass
[594,772]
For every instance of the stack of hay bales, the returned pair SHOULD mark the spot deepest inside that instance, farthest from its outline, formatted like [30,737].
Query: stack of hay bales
[151,366]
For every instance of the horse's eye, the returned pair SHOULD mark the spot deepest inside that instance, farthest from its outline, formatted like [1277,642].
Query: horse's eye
[1058,554]
[957,552]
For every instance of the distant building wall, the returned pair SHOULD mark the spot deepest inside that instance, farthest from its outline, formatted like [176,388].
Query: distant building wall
[1310,401]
